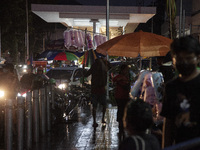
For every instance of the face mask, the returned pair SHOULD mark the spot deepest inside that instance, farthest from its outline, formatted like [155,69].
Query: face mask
[185,69]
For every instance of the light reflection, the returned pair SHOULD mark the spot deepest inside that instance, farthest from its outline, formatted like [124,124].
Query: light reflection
[67,132]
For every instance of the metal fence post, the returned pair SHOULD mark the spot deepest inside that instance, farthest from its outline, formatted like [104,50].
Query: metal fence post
[52,96]
[20,123]
[42,106]
[36,120]
[2,120]
[48,108]
[8,124]
[28,114]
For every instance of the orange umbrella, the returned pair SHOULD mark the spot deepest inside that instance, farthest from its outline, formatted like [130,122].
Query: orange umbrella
[141,43]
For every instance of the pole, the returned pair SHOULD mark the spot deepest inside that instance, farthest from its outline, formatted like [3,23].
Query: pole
[0,41]
[48,109]
[43,44]
[29,113]
[36,115]
[150,63]
[107,19]
[140,63]
[27,29]
[86,47]
[184,22]
[8,124]
[42,107]
[150,59]
[180,18]
[107,34]
[20,123]
[52,96]
[94,21]
[152,25]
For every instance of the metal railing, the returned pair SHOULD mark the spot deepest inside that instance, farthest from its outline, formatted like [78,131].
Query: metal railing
[29,118]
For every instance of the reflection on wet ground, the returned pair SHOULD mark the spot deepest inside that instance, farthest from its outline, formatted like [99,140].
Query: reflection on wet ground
[78,134]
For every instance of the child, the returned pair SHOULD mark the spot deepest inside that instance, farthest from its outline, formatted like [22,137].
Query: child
[137,119]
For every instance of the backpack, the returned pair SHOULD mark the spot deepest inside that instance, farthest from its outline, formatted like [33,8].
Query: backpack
[139,142]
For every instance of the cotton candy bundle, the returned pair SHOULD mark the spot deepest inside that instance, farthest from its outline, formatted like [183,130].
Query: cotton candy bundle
[67,38]
[89,41]
[81,39]
[104,39]
[101,39]
[148,89]
[97,40]
[77,39]
[137,87]
[73,42]
[158,83]
[149,95]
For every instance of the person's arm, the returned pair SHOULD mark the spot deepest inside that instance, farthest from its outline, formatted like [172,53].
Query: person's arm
[169,127]
[168,132]
[89,72]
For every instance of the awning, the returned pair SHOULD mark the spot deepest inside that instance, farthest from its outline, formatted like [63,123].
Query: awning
[81,15]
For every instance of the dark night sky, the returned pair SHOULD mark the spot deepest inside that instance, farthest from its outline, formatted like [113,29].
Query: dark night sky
[116,2]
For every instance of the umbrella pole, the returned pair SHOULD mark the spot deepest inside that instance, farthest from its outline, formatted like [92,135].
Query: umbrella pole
[83,82]
[107,34]
[140,63]
[150,64]
[107,91]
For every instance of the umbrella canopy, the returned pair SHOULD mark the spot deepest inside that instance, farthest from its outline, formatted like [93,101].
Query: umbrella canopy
[65,56]
[141,43]
[48,53]
[88,57]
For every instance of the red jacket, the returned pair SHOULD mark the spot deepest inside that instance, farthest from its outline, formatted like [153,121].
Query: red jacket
[122,86]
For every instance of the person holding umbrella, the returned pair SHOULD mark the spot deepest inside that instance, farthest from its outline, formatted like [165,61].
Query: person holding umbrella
[98,71]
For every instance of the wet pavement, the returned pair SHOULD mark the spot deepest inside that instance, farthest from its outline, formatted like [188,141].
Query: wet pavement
[78,133]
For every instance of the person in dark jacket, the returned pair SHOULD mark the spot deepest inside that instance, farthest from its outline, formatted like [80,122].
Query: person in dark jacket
[122,90]
[27,79]
[98,71]
[9,81]
[40,79]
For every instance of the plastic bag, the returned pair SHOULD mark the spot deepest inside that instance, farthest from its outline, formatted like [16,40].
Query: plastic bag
[158,84]
[67,38]
[137,87]
[89,41]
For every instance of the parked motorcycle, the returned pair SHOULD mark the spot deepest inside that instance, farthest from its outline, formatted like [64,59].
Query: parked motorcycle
[78,97]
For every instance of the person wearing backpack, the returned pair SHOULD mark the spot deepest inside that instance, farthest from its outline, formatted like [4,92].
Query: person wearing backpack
[138,121]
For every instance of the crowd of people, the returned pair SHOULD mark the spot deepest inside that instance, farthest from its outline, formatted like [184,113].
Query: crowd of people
[173,102]
[11,84]
[170,102]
